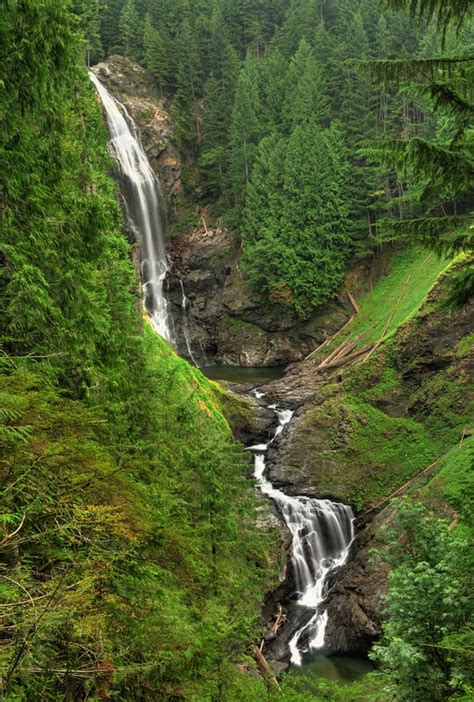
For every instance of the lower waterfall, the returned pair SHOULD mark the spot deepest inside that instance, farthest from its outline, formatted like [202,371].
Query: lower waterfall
[322,533]
[185,328]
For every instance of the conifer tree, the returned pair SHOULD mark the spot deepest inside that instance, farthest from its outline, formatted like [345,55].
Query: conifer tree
[296,217]
[245,128]
[306,101]
[272,87]
[110,26]
[155,54]
[441,214]
[89,13]
[131,31]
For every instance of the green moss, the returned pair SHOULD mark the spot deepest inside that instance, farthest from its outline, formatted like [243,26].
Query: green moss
[454,480]
[367,453]
[389,450]
[396,297]
[466,345]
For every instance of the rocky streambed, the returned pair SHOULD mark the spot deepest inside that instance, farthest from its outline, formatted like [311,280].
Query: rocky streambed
[355,590]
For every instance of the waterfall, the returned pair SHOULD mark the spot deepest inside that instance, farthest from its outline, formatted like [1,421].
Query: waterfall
[322,533]
[143,205]
[185,328]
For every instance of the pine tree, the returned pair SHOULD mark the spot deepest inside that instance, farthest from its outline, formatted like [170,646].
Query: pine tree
[89,13]
[131,31]
[272,87]
[156,54]
[296,218]
[441,215]
[110,26]
[245,128]
[306,100]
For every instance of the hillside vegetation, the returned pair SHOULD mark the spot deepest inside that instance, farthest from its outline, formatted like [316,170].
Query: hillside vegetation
[130,565]
[403,406]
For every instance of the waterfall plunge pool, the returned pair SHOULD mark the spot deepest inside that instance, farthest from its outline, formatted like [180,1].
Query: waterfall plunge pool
[342,669]
[240,374]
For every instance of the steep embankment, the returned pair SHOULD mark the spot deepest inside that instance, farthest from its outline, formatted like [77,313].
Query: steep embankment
[130,566]
[363,432]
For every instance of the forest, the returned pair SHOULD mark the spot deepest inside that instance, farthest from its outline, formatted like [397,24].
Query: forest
[330,138]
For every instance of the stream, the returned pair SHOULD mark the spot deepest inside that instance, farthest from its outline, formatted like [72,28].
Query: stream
[322,534]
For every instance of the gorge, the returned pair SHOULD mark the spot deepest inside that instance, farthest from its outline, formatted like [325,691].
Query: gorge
[236,351]
[322,531]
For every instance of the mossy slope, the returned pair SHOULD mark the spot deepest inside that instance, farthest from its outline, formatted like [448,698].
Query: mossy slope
[374,426]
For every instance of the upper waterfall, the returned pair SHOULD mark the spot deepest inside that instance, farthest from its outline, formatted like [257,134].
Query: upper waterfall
[143,205]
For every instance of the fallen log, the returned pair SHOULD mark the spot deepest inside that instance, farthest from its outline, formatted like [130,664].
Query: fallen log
[345,361]
[328,341]
[280,619]
[334,354]
[264,668]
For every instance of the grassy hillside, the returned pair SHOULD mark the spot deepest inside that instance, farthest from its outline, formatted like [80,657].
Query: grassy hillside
[391,415]
[395,297]
[152,546]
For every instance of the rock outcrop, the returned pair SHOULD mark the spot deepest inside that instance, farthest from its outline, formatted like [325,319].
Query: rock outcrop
[224,318]
[129,83]
[416,389]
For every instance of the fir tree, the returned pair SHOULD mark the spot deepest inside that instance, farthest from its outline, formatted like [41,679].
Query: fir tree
[131,31]
[89,13]
[155,53]
[306,101]
[441,213]
[245,128]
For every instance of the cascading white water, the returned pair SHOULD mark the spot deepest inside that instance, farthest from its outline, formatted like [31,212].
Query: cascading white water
[143,206]
[322,534]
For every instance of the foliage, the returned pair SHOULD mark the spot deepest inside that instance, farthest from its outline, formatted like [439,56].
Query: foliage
[426,650]
[436,164]
[295,220]
[129,568]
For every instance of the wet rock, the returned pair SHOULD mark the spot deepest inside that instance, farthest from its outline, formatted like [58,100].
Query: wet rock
[278,648]
[226,318]
[129,83]
[356,600]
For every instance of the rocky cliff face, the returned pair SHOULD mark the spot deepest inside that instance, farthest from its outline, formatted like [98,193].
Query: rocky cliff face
[223,317]
[129,83]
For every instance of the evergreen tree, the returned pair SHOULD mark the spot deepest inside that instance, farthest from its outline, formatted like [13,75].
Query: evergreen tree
[441,211]
[272,87]
[245,128]
[89,13]
[110,26]
[131,31]
[296,218]
[156,55]
[306,101]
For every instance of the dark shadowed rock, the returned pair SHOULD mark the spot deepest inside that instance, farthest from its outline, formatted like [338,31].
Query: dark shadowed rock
[356,599]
